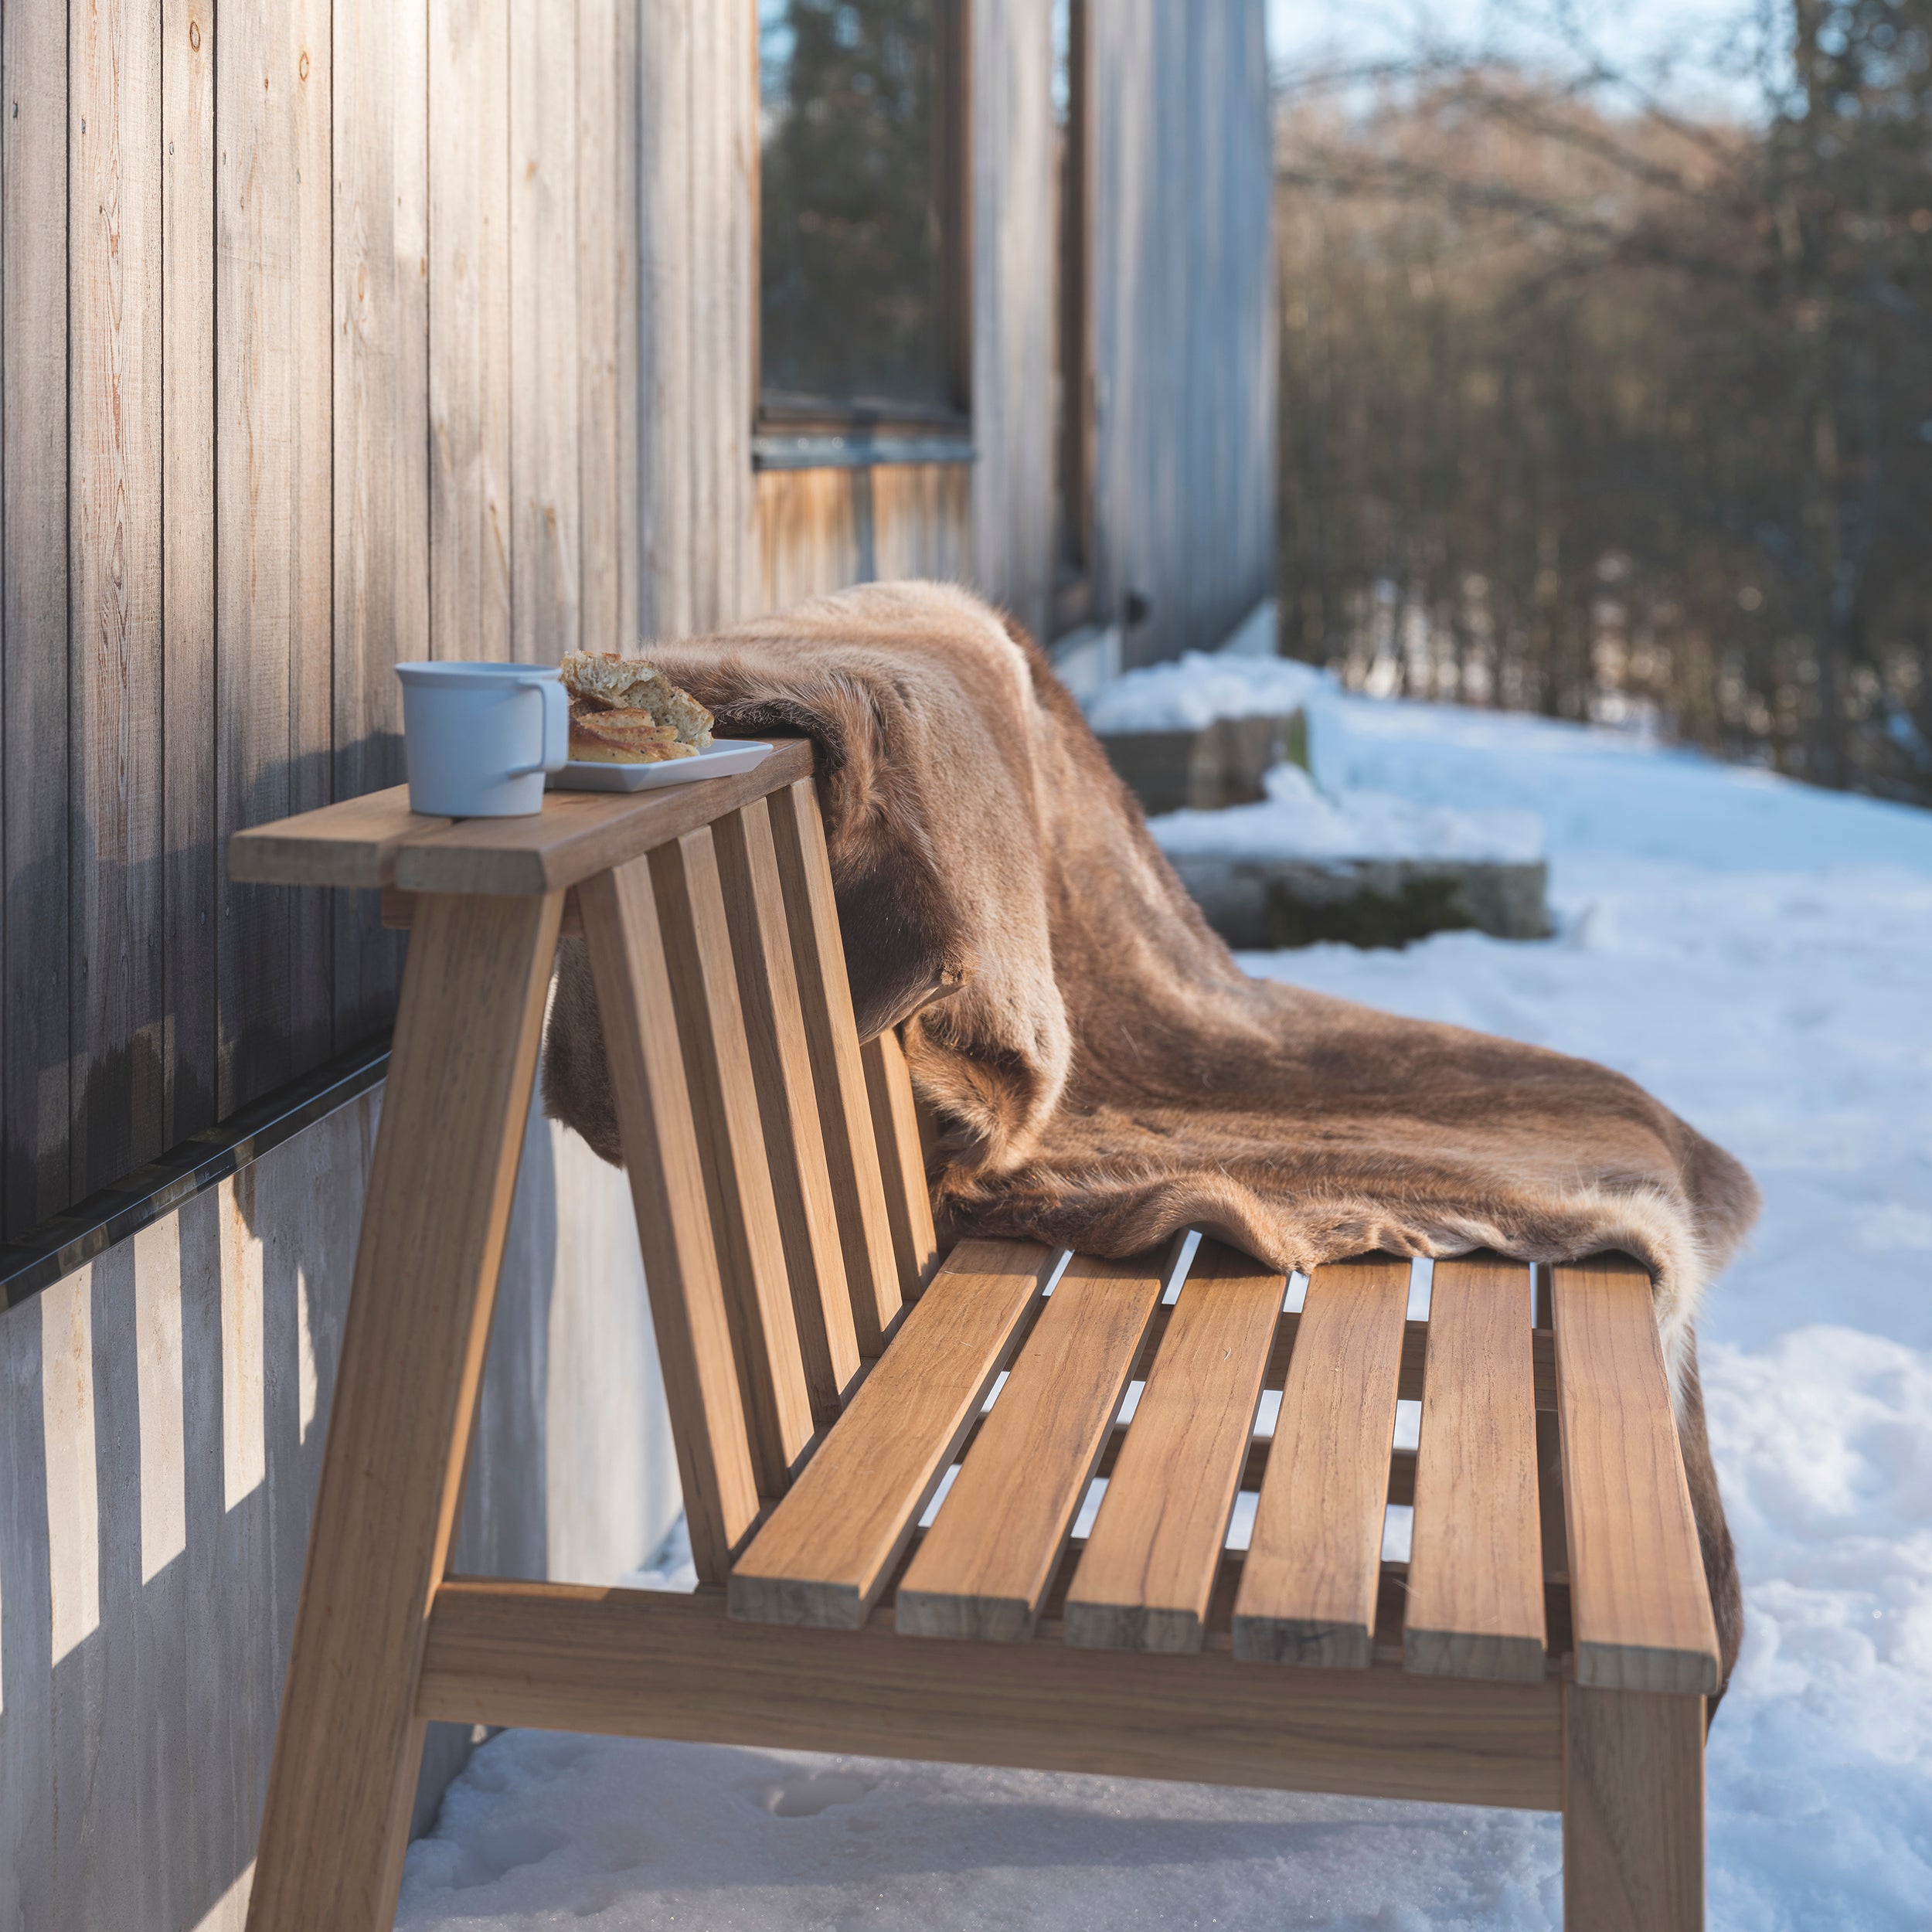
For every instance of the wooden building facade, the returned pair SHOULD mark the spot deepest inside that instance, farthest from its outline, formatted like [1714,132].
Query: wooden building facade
[338,332]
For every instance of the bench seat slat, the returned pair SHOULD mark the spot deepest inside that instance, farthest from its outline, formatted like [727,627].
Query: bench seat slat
[1639,1602]
[1475,1605]
[1148,1572]
[1314,1566]
[827,1550]
[985,1565]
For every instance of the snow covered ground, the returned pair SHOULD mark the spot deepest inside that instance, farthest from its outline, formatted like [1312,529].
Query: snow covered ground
[1759,954]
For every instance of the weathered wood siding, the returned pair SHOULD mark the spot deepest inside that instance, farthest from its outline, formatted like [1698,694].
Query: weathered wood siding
[319,351]
[1181,328]
[1183,318]
[161,1420]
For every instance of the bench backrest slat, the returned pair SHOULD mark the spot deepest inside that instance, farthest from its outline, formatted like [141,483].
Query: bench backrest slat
[781,1070]
[895,1126]
[667,1189]
[838,1073]
[724,1100]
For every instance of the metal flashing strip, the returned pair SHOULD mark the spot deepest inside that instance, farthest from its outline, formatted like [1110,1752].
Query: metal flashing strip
[857,450]
[71,1240]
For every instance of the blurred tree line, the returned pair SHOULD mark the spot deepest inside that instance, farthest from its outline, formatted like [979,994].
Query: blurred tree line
[1594,407]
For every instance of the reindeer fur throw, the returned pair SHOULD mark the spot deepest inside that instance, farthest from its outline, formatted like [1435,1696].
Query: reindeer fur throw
[1102,1072]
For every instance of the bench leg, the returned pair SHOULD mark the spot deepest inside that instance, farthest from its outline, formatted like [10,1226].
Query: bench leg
[350,1744]
[1633,1812]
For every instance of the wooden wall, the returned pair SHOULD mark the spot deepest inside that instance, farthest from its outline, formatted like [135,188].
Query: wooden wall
[1184,318]
[318,354]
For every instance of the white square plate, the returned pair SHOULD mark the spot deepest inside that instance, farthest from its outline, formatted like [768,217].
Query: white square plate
[723,757]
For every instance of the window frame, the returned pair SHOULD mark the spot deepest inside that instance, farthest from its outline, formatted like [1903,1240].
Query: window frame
[1074,430]
[825,434]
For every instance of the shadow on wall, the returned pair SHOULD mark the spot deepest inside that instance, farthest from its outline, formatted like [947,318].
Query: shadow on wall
[162,1419]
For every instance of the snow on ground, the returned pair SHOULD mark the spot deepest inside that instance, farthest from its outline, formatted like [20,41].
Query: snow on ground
[1761,956]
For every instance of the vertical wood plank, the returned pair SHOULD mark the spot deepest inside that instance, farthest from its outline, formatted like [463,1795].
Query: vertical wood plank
[426,1272]
[117,985]
[272,460]
[545,587]
[188,560]
[381,590]
[895,1126]
[469,373]
[36,1101]
[627,155]
[781,1066]
[666,512]
[687,1311]
[838,1070]
[1633,1812]
[1475,1569]
[602,246]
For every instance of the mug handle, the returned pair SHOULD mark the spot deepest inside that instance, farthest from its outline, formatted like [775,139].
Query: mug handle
[556,725]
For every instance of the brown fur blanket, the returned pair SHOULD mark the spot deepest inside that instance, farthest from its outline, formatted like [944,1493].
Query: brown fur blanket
[1103,1072]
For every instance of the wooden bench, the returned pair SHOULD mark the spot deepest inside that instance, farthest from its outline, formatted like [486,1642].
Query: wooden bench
[1547,1643]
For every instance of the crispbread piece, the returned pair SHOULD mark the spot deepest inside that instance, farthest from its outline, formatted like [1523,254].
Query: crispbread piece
[627,736]
[601,682]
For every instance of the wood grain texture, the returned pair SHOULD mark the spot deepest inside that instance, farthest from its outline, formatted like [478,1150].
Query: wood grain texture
[1149,1569]
[1638,1600]
[895,1126]
[820,530]
[380,94]
[546,587]
[641,1662]
[1633,1812]
[838,1070]
[604,244]
[664,1166]
[666,349]
[426,1272]
[270,989]
[709,1024]
[1309,1586]
[192,863]
[983,1567]
[469,328]
[808,1221]
[1475,1605]
[36,1093]
[580,833]
[825,1552]
[351,844]
[115,892]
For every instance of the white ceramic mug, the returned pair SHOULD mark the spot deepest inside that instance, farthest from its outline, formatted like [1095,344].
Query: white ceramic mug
[478,738]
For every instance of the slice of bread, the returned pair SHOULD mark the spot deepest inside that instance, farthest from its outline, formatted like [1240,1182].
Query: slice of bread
[601,682]
[626,736]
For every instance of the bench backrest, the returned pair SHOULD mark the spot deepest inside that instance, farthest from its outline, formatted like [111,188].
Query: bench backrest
[773,1157]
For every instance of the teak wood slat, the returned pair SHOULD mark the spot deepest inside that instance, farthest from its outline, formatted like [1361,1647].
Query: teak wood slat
[662,1158]
[558,1657]
[808,1222]
[825,1552]
[1639,1602]
[984,1566]
[837,1072]
[895,1126]
[1475,1605]
[578,834]
[438,1203]
[1314,1567]
[1148,1571]
[744,1219]
[354,843]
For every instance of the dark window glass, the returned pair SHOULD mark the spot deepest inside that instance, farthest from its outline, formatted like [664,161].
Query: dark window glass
[855,237]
